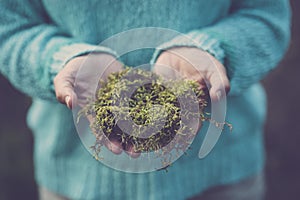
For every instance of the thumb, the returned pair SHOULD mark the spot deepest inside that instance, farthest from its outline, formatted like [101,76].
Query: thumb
[65,92]
[70,99]
[219,86]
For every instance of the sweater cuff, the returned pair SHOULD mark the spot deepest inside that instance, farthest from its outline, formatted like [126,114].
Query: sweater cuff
[192,39]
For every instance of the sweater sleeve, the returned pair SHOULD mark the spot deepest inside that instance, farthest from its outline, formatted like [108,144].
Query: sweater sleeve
[33,50]
[250,41]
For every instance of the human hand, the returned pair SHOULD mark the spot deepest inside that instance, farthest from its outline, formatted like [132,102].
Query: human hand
[94,67]
[76,84]
[195,64]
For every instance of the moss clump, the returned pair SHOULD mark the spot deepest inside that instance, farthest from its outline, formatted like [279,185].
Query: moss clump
[138,108]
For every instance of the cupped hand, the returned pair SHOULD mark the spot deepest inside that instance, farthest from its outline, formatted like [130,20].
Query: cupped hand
[78,81]
[194,64]
[76,85]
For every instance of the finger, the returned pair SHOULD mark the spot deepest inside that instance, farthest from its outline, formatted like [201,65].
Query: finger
[113,146]
[64,92]
[219,85]
[67,96]
[131,152]
[70,99]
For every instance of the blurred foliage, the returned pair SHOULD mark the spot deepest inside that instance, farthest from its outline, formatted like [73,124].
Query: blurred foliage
[282,132]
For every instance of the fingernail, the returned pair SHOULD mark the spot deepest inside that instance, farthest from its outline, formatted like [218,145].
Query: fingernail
[219,95]
[67,100]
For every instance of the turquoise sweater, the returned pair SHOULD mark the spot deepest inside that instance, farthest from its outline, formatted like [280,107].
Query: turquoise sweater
[37,37]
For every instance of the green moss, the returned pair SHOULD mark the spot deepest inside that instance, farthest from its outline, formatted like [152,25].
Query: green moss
[144,103]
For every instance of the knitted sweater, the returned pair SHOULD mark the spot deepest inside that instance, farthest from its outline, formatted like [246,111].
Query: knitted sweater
[37,37]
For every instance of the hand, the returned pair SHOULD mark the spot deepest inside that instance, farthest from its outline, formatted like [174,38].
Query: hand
[83,74]
[195,64]
[77,83]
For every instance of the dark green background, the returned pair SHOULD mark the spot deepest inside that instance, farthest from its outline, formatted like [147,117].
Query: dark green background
[282,131]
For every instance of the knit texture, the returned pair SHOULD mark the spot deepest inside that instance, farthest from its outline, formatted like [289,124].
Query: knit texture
[38,37]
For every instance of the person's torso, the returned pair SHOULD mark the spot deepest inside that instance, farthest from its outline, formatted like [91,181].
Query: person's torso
[93,21]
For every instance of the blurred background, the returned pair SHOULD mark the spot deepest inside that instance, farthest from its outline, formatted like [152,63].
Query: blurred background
[282,131]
